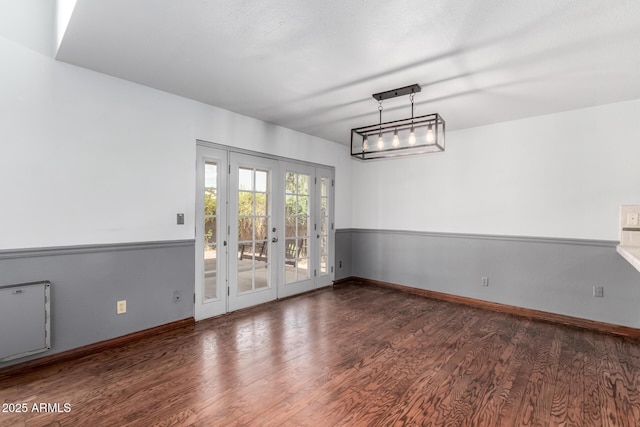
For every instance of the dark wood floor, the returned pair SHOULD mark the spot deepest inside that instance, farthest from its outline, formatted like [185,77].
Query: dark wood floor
[354,356]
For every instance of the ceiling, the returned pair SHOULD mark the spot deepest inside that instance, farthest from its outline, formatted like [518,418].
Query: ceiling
[313,65]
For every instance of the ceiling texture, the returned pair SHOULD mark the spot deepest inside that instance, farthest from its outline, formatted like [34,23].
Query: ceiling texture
[313,65]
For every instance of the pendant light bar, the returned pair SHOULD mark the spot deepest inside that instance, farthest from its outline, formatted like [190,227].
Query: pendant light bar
[415,88]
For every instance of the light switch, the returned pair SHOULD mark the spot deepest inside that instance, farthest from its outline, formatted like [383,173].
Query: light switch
[180,219]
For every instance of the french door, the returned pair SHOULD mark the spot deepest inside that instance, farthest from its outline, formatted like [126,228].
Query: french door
[264,229]
[252,272]
[305,227]
[296,226]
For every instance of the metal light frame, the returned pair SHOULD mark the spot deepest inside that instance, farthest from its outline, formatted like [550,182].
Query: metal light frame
[363,139]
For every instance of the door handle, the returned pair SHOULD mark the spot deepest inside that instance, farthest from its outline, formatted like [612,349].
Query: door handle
[274,240]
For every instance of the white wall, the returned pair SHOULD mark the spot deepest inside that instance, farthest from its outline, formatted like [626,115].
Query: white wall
[86,158]
[31,23]
[560,175]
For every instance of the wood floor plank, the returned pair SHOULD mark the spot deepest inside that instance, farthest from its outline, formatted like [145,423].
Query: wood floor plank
[515,391]
[528,413]
[568,397]
[348,356]
[594,404]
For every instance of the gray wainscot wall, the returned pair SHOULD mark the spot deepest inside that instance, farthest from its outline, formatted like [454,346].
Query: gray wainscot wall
[343,254]
[548,274]
[86,282]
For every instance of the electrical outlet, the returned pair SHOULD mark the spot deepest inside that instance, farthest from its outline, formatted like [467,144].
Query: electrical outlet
[340,264]
[177,296]
[632,218]
[485,281]
[121,307]
[598,291]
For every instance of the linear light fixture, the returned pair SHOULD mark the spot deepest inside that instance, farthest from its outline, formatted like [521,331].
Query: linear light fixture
[414,135]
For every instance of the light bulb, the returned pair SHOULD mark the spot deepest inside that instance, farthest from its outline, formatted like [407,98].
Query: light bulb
[430,135]
[396,140]
[412,137]
[365,143]
[380,142]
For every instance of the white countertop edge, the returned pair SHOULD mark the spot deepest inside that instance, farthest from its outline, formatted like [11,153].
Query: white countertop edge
[631,254]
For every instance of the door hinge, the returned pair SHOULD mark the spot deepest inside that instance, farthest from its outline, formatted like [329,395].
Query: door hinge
[228,230]
[315,273]
[194,298]
[315,227]
[332,268]
[315,180]
[228,291]
[333,182]
[229,169]
[332,226]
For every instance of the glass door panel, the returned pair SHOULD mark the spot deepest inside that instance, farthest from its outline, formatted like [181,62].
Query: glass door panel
[297,230]
[211,189]
[324,227]
[253,220]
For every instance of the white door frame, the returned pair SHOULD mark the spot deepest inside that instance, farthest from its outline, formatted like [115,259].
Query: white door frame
[228,298]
